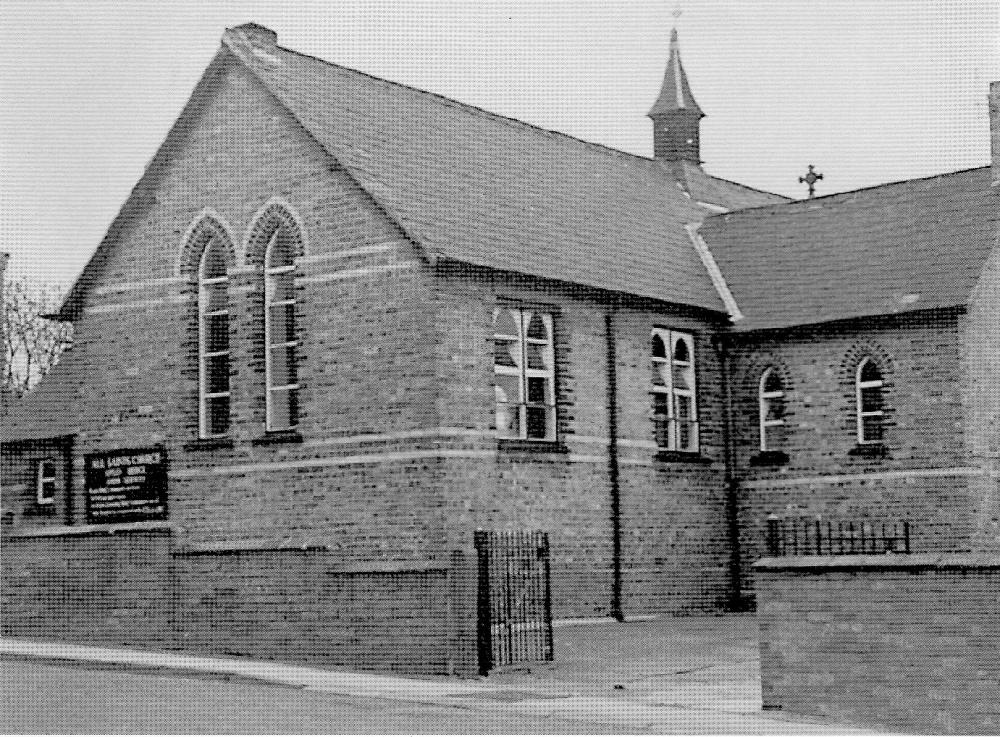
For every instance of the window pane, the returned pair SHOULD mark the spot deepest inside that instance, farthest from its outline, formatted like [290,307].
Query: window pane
[538,391]
[774,408]
[217,373]
[48,469]
[871,399]
[507,415]
[661,403]
[870,372]
[282,325]
[538,422]
[279,252]
[214,297]
[507,388]
[681,352]
[871,428]
[772,382]
[659,349]
[216,333]
[537,329]
[683,377]
[687,435]
[662,430]
[506,353]
[538,356]
[281,286]
[283,409]
[213,260]
[217,415]
[283,366]
[660,373]
[47,490]
[684,406]
[505,324]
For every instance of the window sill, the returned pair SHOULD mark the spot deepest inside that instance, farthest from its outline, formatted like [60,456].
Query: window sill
[277,437]
[680,456]
[209,444]
[530,446]
[769,458]
[869,450]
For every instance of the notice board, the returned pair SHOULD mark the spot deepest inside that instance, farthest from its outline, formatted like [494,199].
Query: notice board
[126,485]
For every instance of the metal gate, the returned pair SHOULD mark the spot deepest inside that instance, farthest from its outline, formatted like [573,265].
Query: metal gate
[515,605]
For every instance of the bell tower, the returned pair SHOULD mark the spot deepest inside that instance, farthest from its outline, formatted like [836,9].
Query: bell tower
[675,114]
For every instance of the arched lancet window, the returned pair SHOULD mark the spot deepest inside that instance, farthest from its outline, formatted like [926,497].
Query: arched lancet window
[279,331]
[675,405]
[771,397]
[870,401]
[213,339]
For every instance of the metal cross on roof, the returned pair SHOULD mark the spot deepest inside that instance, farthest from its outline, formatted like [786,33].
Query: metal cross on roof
[811,178]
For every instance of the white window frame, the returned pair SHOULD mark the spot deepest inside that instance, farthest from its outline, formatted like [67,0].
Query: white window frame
[764,400]
[859,387]
[522,319]
[270,389]
[670,339]
[42,481]
[203,354]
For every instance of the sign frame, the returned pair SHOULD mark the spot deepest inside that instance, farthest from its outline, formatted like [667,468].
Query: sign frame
[145,498]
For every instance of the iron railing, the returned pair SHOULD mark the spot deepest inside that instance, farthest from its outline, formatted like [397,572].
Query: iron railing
[826,537]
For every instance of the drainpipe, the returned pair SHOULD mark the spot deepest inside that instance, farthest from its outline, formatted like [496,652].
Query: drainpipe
[616,512]
[732,481]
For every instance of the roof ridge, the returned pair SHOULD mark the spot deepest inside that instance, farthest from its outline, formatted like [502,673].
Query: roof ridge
[884,185]
[450,101]
[747,186]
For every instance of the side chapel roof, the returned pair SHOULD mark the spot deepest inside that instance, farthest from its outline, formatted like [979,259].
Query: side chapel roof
[894,248]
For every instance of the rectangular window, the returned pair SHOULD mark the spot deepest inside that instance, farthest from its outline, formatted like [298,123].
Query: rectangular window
[524,374]
[45,486]
[675,400]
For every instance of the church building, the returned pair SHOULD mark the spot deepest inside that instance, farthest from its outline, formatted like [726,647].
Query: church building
[341,324]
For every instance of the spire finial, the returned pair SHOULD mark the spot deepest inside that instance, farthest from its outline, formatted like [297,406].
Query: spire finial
[677,12]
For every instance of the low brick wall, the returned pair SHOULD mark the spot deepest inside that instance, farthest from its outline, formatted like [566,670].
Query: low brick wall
[908,642]
[133,588]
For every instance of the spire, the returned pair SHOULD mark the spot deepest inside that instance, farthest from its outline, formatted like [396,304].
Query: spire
[675,114]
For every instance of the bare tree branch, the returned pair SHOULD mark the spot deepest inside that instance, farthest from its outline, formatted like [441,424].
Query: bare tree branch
[32,344]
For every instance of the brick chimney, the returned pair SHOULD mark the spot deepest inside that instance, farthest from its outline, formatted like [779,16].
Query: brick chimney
[995,131]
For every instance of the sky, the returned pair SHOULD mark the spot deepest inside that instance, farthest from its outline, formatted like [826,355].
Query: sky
[868,91]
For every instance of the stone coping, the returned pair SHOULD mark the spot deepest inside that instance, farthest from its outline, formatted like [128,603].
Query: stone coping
[884,561]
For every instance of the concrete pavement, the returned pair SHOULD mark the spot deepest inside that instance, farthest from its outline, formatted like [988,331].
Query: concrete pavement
[601,677]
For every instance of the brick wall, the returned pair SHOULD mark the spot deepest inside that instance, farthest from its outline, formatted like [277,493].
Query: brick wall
[926,472]
[132,587]
[93,588]
[907,642]
[674,541]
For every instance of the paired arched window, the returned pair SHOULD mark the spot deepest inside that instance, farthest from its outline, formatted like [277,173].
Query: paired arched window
[213,339]
[675,406]
[279,332]
[869,388]
[524,378]
[274,241]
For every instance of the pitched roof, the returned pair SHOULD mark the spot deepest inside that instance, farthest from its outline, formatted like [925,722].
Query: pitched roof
[479,188]
[715,192]
[894,248]
[675,92]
